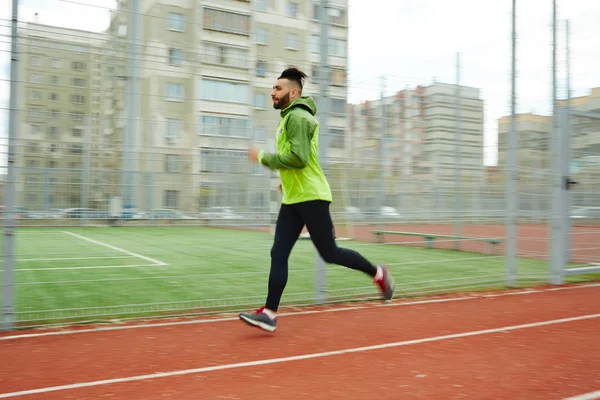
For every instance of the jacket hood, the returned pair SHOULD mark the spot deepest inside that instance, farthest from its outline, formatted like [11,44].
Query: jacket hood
[305,102]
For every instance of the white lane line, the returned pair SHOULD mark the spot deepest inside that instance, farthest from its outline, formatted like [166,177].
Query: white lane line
[586,396]
[90,267]
[110,246]
[308,312]
[71,258]
[296,358]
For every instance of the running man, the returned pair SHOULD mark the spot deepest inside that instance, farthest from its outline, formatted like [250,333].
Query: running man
[306,198]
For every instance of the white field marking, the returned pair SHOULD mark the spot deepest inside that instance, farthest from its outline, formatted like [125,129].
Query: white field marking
[309,356]
[586,396]
[70,258]
[90,267]
[110,246]
[291,314]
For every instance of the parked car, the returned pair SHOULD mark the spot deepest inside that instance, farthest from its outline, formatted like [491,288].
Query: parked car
[220,213]
[161,213]
[585,213]
[88,213]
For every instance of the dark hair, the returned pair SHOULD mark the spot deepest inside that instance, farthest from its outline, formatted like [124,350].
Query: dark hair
[294,74]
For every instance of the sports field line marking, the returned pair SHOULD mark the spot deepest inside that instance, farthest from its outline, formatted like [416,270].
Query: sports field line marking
[72,258]
[298,358]
[586,396]
[110,246]
[90,267]
[292,314]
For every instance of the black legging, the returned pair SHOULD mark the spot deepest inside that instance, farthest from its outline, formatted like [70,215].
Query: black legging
[291,220]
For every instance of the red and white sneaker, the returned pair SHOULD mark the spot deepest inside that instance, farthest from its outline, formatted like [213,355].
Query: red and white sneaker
[385,281]
[260,319]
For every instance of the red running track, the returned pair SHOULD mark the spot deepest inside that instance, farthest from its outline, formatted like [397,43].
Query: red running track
[432,350]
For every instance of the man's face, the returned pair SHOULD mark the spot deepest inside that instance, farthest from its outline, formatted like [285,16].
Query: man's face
[283,93]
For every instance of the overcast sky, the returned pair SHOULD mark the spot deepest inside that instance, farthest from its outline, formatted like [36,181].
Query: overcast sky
[411,43]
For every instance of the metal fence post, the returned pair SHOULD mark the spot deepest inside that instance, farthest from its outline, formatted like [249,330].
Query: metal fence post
[320,281]
[457,166]
[512,195]
[9,221]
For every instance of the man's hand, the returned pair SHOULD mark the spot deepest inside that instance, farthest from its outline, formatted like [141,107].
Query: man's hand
[280,189]
[253,154]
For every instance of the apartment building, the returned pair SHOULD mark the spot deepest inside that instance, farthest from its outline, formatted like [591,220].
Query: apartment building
[533,156]
[413,135]
[419,127]
[206,72]
[58,109]
[168,110]
[534,132]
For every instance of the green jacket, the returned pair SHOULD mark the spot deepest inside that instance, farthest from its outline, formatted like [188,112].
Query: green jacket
[302,178]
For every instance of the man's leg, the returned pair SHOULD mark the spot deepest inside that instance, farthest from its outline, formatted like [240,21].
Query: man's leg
[318,221]
[287,230]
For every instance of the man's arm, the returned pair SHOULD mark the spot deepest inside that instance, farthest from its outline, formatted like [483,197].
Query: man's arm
[298,131]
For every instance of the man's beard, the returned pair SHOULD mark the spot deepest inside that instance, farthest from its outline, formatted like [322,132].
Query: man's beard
[282,102]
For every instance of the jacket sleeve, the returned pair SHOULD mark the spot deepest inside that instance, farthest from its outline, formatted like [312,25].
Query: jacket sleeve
[299,132]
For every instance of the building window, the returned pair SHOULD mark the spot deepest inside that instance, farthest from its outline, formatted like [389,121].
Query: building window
[53,114]
[173,128]
[76,148]
[35,95]
[76,116]
[55,63]
[334,15]
[77,99]
[53,96]
[171,198]
[32,147]
[223,161]
[336,47]
[291,9]
[261,68]
[53,132]
[78,82]
[262,36]
[35,113]
[77,132]
[337,138]
[338,106]
[337,16]
[174,92]
[173,163]
[225,55]
[36,61]
[35,129]
[224,91]
[260,100]
[223,126]
[36,78]
[175,56]
[225,21]
[176,22]
[291,41]
[261,5]
[338,77]
[78,66]
[54,80]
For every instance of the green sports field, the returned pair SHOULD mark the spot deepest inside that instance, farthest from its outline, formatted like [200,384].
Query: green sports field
[64,274]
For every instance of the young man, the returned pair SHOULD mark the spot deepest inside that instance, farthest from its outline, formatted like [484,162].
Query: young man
[306,198]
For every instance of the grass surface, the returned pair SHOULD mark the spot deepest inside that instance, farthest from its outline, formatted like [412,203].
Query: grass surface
[98,273]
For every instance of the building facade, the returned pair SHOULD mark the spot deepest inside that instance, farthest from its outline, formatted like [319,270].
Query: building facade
[174,98]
